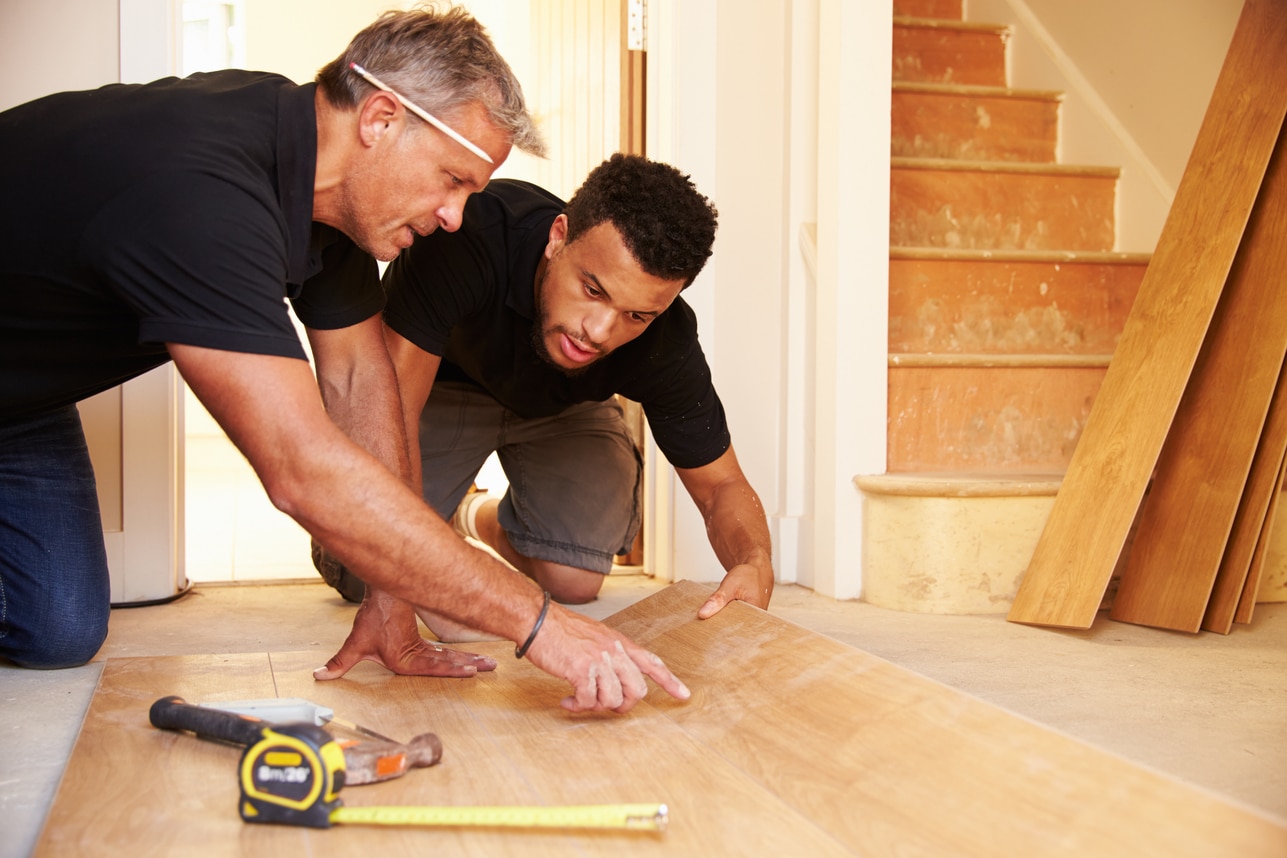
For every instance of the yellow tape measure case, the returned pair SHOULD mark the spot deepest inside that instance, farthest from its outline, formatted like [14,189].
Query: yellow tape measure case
[292,776]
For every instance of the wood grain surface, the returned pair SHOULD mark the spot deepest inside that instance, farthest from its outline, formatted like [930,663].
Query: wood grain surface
[1203,468]
[1249,536]
[793,744]
[1251,586]
[1101,493]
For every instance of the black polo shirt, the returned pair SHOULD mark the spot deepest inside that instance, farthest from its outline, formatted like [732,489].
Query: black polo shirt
[469,297]
[175,211]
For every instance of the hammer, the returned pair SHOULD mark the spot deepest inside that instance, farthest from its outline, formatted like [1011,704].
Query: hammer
[365,762]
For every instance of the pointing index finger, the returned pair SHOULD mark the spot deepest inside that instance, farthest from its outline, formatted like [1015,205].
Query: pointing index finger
[653,667]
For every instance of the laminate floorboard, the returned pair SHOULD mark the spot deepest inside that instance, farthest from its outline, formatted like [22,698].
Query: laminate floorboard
[793,743]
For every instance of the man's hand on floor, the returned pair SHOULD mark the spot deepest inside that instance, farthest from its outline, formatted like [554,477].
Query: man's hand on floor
[385,632]
[605,668]
[745,583]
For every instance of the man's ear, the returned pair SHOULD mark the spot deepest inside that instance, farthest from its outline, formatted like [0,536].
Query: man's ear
[558,236]
[377,115]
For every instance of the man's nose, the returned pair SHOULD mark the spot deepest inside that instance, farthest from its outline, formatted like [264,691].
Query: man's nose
[451,212]
[449,218]
[598,325]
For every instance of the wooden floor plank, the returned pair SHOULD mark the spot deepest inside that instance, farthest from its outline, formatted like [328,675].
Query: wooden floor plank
[1101,493]
[1251,586]
[507,741]
[476,768]
[1248,537]
[894,763]
[1203,469]
[130,789]
[792,744]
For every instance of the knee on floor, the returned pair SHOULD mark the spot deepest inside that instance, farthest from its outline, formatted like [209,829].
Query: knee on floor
[70,642]
[573,586]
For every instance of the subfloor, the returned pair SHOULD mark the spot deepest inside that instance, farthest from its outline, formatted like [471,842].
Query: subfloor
[1206,709]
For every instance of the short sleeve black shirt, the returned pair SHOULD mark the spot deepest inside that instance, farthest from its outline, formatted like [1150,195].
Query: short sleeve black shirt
[175,211]
[469,297]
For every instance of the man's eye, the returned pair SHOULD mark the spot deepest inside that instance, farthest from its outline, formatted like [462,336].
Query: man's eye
[638,318]
[592,290]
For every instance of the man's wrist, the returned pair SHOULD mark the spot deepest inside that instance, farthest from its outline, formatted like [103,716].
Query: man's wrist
[522,649]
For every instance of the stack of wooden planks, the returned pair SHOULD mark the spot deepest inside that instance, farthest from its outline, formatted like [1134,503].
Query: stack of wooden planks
[1195,398]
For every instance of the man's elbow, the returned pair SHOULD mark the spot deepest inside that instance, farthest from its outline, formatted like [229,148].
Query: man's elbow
[294,481]
[287,495]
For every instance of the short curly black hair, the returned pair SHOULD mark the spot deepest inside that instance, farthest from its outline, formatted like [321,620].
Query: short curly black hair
[667,225]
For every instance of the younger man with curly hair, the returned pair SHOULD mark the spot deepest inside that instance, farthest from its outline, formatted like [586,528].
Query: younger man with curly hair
[514,333]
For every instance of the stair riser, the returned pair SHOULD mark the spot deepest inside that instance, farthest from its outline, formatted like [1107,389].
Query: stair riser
[967,555]
[974,127]
[940,55]
[988,307]
[944,9]
[987,419]
[1001,211]
[949,555]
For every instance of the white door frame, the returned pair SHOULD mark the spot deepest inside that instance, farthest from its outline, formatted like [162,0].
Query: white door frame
[145,552]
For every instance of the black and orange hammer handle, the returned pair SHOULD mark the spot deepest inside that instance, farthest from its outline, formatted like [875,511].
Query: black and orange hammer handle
[174,713]
[365,762]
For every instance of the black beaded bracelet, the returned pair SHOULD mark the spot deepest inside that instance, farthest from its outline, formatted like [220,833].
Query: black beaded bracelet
[521,651]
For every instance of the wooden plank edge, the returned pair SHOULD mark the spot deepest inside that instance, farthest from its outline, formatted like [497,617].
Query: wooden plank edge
[1251,586]
[1248,536]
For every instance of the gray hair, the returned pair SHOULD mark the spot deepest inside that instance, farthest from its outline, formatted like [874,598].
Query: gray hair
[441,61]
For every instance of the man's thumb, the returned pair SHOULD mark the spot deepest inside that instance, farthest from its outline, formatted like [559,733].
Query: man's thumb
[334,669]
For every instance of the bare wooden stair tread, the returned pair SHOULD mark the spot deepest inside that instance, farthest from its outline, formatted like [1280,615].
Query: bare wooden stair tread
[951,25]
[1030,168]
[977,90]
[961,484]
[953,359]
[1070,257]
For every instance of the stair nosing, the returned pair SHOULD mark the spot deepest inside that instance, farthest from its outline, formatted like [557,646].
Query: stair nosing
[952,24]
[1069,257]
[1025,167]
[979,91]
[961,484]
[962,360]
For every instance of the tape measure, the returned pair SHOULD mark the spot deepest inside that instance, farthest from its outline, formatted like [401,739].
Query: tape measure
[641,817]
[293,775]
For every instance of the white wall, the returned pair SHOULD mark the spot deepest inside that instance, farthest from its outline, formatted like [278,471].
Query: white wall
[780,111]
[84,59]
[680,130]
[1137,76]
[852,318]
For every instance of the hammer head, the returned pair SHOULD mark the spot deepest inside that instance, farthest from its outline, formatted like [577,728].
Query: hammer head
[369,757]
[369,762]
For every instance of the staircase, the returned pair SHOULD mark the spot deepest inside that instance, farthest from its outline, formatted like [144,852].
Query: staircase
[1006,301]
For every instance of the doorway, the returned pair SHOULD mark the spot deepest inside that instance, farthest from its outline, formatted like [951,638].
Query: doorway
[590,101]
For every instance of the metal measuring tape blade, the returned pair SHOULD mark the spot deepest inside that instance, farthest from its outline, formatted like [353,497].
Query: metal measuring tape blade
[629,817]
[293,775]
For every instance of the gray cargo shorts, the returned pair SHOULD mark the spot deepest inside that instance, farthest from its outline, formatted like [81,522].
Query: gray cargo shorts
[575,478]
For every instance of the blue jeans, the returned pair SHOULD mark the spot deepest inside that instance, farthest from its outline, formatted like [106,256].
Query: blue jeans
[55,591]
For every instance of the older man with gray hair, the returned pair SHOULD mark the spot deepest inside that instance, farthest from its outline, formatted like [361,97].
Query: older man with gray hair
[171,221]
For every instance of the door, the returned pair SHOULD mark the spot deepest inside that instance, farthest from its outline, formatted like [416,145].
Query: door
[80,44]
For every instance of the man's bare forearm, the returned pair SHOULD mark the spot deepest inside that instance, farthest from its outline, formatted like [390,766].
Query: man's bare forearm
[360,392]
[738,528]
